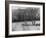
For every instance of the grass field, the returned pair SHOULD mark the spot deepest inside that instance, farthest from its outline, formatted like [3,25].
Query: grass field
[21,26]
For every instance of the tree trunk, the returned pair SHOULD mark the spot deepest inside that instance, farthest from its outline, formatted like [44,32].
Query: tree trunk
[33,22]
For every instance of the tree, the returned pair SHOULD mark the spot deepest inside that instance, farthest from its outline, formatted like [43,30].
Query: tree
[27,14]
[34,12]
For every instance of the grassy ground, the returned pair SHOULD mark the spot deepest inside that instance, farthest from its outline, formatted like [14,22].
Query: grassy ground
[21,26]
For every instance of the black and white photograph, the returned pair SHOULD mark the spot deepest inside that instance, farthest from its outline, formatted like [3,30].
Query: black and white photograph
[25,18]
